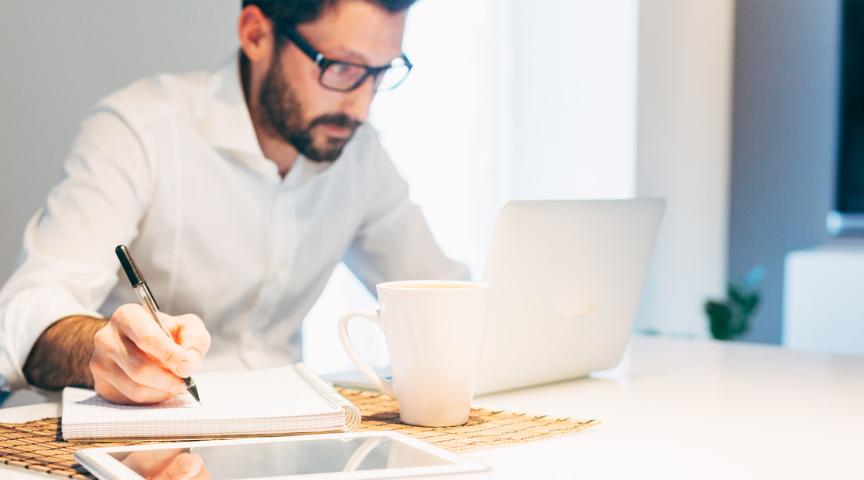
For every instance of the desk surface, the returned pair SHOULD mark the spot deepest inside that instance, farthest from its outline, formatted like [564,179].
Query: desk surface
[680,409]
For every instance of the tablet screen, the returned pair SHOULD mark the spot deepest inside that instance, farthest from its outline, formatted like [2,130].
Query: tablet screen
[266,459]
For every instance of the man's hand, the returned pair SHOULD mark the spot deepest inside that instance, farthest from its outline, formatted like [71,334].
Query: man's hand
[134,362]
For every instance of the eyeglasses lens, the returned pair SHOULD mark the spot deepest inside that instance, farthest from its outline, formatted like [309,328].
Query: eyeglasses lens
[345,76]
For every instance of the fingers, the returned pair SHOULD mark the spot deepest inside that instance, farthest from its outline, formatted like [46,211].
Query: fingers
[141,369]
[136,323]
[189,331]
[115,386]
[108,392]
[184,466]
[112,350]
[134,361]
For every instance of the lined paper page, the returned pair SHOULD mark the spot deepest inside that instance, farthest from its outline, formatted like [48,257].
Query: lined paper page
[263,401]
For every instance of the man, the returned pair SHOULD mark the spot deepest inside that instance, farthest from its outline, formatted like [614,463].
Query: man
[238,193]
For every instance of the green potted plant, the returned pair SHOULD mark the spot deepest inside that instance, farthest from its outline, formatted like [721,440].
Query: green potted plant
[730,318]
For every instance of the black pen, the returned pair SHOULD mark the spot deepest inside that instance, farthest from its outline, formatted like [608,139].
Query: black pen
[145,296]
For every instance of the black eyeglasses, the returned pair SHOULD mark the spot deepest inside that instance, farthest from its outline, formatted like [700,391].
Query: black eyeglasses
[346,76]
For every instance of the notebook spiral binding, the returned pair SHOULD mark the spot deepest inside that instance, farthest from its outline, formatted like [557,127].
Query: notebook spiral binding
[331,396]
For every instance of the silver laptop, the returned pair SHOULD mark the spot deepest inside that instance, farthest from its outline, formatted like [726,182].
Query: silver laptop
[566,281]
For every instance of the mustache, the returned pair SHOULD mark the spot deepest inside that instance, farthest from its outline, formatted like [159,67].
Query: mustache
[336,119]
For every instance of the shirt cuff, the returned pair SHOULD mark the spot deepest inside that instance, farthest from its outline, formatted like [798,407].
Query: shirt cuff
[24,319]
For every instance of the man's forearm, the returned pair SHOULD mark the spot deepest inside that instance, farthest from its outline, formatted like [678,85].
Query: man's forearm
[61,355]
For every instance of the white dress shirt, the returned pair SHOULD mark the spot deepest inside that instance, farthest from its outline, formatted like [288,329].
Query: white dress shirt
[171,167]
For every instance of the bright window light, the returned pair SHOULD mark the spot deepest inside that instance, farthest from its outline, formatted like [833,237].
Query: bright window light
[508,99]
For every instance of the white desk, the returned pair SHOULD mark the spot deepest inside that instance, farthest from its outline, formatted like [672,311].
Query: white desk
[681,409]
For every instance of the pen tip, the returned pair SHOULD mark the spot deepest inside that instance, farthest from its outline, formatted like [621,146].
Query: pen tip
[193,389]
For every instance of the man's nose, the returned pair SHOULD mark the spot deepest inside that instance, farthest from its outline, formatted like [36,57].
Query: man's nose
[357,102]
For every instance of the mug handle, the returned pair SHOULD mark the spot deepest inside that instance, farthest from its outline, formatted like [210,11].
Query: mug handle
[383,385]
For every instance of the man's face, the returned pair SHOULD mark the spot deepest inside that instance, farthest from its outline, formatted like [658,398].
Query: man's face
[292,103]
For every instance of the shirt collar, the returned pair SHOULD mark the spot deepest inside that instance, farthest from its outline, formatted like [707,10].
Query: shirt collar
[225,124]
[224,121]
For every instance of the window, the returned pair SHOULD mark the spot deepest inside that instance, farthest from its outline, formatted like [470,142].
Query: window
[507,99]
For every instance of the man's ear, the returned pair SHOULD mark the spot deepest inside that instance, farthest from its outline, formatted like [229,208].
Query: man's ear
[257,35]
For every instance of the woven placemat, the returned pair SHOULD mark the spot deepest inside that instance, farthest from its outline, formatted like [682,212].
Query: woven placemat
[485,428]
[38,445]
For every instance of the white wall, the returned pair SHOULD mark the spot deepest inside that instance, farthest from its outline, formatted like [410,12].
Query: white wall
[574,98]
[59,58]
[685,53]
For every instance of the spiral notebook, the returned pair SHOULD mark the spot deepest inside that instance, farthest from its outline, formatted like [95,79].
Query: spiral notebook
[274,401]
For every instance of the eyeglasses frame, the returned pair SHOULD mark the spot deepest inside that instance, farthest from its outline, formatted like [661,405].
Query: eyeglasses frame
[324,62]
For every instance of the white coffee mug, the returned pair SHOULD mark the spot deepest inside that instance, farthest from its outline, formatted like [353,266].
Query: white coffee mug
[433,331]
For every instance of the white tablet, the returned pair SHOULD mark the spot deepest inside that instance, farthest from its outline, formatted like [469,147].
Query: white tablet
[331,456]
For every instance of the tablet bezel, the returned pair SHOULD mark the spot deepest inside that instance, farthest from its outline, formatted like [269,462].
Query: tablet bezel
[105,467]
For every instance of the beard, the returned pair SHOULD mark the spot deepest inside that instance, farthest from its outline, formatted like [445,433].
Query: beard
[282,114]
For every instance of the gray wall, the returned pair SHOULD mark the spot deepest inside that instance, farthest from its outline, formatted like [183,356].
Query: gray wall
[59,57]
[782,140]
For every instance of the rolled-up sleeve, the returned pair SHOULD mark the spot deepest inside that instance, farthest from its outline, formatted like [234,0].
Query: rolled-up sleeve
[394,241]
[67,265]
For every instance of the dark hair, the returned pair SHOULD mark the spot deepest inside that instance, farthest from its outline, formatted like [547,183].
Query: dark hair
[289,13]
[295,12]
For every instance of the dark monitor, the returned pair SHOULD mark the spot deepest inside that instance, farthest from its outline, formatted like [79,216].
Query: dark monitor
[848,214]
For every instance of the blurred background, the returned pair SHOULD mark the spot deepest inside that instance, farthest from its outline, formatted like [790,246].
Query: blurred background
[728,109]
